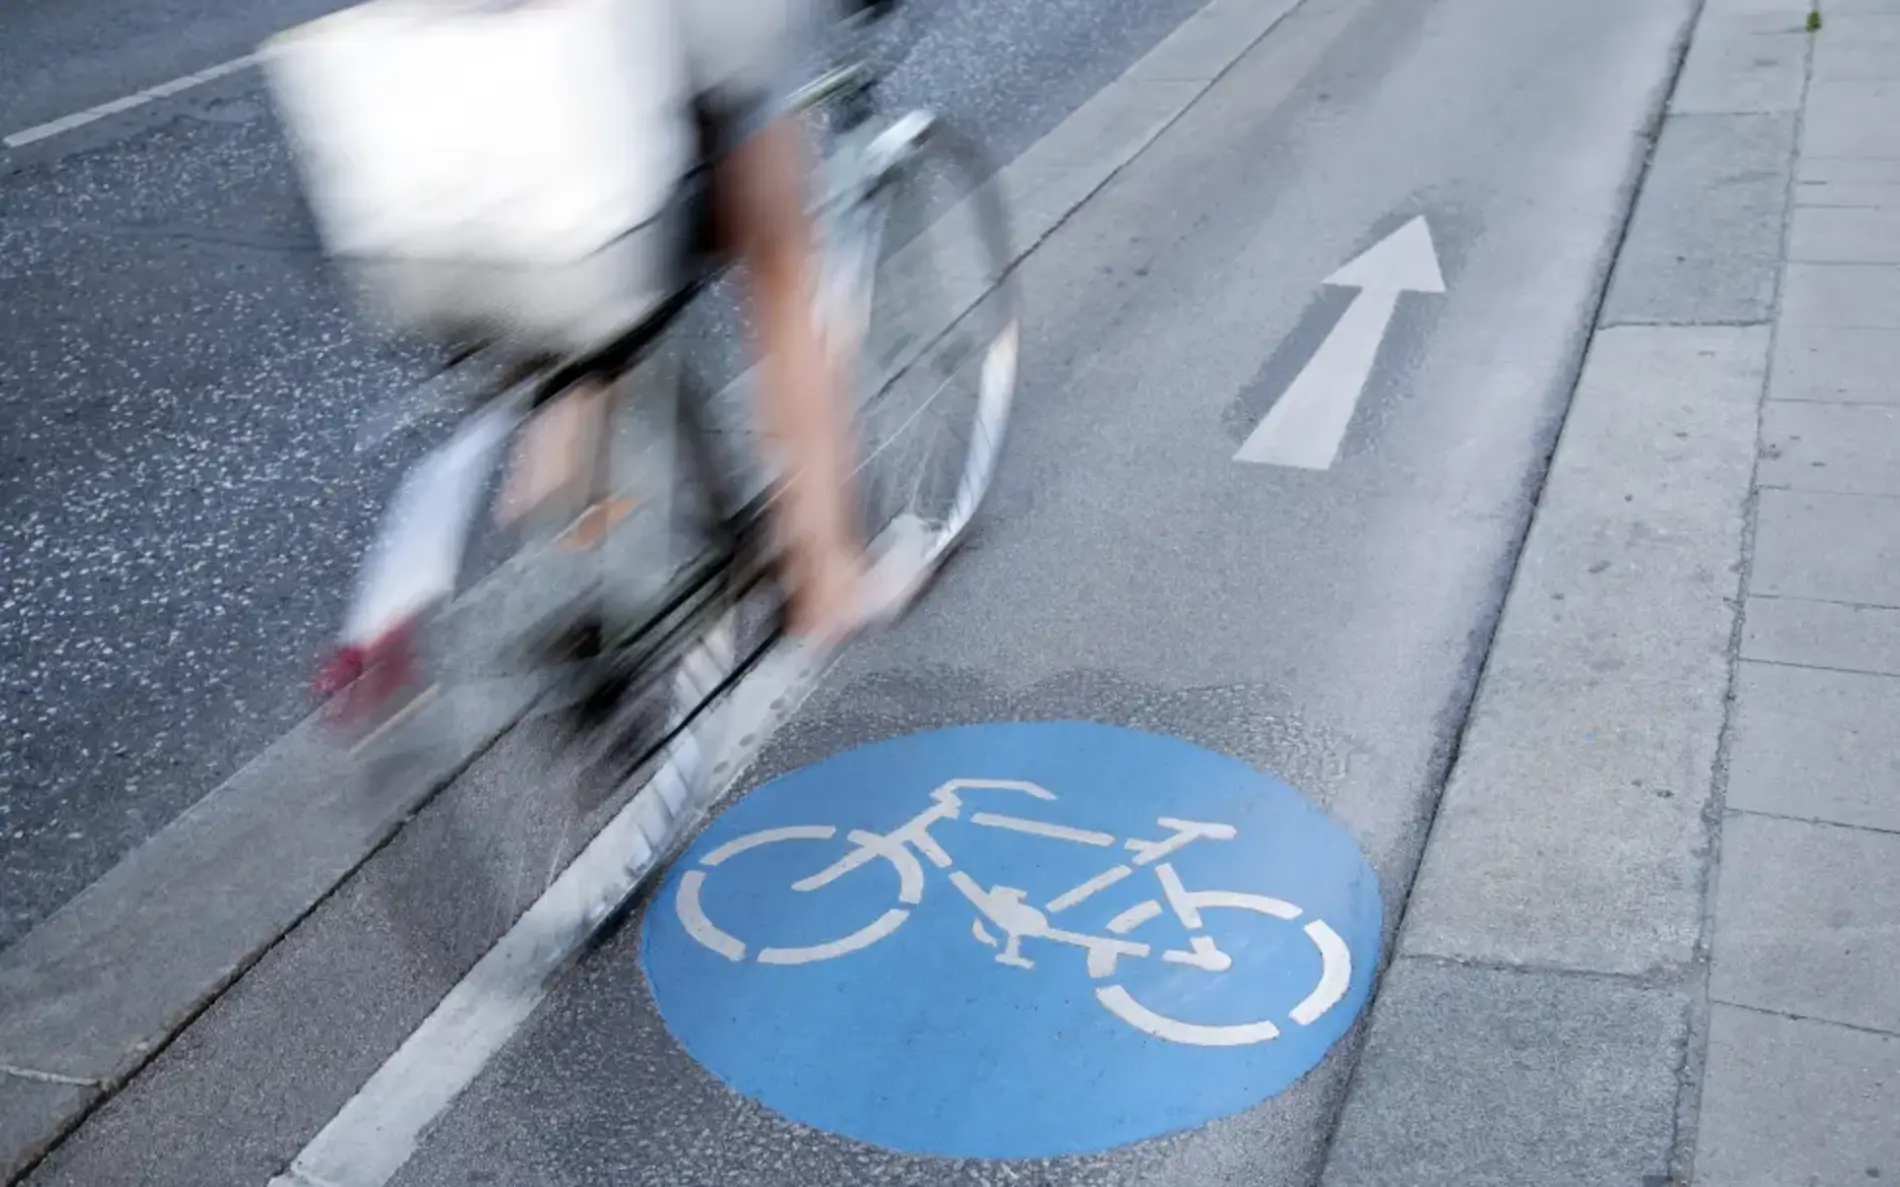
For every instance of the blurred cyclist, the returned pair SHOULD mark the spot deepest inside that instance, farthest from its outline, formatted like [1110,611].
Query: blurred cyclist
[739,54]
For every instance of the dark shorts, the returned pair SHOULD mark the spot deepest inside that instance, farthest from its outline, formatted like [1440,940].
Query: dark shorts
[730,116]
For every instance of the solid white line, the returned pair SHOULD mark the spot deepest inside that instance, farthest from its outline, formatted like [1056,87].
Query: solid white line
[80,119]
[379,1128]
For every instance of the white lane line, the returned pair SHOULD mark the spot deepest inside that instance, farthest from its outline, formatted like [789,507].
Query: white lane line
[379,1129]
[80,119]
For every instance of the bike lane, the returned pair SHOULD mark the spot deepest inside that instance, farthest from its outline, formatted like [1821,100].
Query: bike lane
[1123,891]
[895,957]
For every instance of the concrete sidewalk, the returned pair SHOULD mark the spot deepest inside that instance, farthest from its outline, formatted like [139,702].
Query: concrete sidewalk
[1654,938]
[1802,1083]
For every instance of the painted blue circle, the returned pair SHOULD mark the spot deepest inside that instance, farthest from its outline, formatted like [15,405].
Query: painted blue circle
[844,1007]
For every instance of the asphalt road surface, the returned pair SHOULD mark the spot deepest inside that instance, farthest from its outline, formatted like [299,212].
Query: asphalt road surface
[180,507]
[1245,508]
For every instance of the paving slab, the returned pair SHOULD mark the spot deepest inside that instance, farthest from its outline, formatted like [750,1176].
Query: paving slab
[1794,10]
[1793,1103]
[1845,448]
[1518,1078]
[1858,44]
[1817,166]
[1822,635]
[1852,118]
[1818,744]
[1841,295]
[1571,832]
[1832,547]
[1804,921]
[33,1109]
[1704,244]
[1743,63]
[1823,192]
[1854,366]
[1845,235]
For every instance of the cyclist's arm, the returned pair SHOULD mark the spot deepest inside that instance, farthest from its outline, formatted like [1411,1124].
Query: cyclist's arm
[761,197]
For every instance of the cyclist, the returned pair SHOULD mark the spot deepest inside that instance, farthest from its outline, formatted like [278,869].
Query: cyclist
[738,53]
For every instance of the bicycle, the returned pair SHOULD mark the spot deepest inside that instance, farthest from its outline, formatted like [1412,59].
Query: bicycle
[669,575]
[1007,910]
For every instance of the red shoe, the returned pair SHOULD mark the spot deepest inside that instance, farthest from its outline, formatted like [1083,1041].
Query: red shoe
[365,681]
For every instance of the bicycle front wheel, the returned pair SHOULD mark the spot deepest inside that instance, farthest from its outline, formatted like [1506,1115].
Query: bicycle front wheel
[937,363]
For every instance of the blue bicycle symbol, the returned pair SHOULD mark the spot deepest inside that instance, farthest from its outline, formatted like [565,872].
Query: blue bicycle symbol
[1007,909]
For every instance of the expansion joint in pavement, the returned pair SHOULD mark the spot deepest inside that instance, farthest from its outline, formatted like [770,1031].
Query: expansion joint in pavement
[1788,1016]
[1684,323]
[1836,669]
[1815,821]
[1679,976]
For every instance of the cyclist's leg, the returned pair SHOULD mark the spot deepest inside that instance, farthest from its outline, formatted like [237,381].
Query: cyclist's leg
[743,55]
[551,465]
[760,190]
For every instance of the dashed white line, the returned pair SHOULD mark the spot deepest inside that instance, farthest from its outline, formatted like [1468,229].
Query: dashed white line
[80,119]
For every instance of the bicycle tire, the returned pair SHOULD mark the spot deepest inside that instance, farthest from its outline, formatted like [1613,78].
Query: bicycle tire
[927,320]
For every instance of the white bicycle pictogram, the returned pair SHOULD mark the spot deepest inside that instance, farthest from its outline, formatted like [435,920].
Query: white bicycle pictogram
[1007,909]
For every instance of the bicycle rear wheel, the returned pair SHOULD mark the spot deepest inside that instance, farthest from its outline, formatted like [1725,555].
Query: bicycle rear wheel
[937,359]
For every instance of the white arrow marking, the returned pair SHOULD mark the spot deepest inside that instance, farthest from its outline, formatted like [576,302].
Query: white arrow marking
[1306,425]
